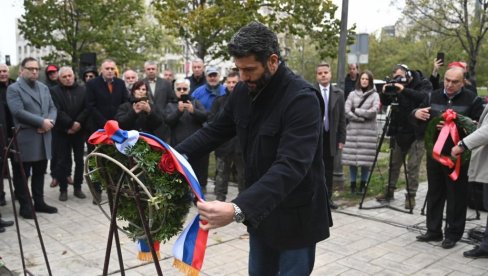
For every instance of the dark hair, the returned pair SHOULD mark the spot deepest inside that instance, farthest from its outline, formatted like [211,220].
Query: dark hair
[232,74]
[254,39]
[27,59]
[137,85]
[370,81]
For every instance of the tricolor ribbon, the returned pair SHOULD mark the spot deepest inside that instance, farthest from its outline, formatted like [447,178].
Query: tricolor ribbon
[449,129]
[189,249]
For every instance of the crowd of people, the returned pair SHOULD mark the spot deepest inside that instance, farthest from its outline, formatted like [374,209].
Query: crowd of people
[280,133]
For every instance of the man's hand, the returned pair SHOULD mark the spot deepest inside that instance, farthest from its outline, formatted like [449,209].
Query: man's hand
[47,125]
[137,107]
[215,213]
[74,128]
[188,106]
[423,113]
[399,87]
[456,151]
[340,146]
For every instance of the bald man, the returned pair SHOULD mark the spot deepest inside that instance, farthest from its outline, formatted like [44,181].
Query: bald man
[442,188]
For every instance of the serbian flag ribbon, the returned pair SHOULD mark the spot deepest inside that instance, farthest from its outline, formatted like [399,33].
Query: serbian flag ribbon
[189,249]
[449,129]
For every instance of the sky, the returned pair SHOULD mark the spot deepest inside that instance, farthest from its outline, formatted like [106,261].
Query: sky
[369,17]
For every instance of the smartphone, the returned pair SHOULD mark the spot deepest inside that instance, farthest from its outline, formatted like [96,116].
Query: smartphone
[184,98]
[440,56]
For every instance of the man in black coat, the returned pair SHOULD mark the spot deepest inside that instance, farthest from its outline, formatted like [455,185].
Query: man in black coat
[69,98]
[198,78]
[277,117]
[350,79]
[104,95]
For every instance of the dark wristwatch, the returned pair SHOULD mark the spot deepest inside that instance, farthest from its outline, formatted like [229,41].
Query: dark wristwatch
[238,214]
[462,145]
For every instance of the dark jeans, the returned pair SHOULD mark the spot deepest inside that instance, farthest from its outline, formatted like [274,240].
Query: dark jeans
[65,144]
[54,156]
[267,261]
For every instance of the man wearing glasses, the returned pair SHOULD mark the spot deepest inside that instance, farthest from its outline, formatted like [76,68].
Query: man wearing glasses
[34,113]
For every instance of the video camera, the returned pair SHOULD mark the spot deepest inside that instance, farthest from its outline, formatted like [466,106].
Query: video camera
[390,88]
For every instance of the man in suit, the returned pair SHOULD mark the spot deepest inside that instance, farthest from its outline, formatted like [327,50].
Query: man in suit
[160,93]
[34,113]
[104,95]
[130,77]
[334,123]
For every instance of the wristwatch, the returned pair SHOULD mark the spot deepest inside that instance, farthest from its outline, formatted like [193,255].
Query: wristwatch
[238,214]
[462,145]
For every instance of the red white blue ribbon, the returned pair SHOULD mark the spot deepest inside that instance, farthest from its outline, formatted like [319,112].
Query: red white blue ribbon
[189,249]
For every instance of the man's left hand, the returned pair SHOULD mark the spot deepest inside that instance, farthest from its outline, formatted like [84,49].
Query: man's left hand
[399,87]
[215,213]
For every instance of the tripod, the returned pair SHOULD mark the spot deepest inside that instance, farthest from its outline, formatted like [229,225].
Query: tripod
[389,113]
[13,148]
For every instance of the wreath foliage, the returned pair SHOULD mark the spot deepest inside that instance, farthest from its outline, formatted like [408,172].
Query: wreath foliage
[464,125]
[170,192]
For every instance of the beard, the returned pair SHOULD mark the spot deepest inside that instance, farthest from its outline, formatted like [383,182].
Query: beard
[260,83]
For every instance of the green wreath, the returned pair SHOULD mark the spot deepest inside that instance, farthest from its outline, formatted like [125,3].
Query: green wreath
[166,211]
[464,125]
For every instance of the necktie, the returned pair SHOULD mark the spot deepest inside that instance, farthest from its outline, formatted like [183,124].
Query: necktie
[326,111]
[109,84]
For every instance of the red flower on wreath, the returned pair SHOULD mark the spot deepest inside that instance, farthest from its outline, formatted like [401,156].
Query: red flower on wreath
[167,163]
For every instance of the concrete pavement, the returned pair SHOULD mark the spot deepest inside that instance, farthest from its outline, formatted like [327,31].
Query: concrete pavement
[363,242]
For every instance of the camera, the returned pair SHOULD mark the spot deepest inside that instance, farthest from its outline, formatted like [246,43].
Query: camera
[141,99]
[390,88]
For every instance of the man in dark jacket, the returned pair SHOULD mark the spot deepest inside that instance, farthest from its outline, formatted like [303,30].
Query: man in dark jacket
[277,117]
[69,99]
[441,187]
[406,141]
[197,79]
[350,80]
[104,95]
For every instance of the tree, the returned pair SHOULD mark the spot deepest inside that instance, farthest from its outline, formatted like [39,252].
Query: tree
[112,28]
[464,20]
[207,25]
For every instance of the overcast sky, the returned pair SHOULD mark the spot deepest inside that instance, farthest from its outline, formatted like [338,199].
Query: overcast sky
[369,17]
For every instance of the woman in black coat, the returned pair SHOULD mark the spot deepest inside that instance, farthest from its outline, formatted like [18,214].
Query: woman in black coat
[138,114]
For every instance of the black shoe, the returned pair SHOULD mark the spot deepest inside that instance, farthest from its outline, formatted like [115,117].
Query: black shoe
[2,199]
[5,223]
[26,212]
[475,253]
[44,208]
[428,237]
[448,243]
[79,194]
[63,196]
[2,229]
[332,204]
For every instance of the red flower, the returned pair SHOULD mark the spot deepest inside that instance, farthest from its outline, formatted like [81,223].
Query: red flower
[167,164]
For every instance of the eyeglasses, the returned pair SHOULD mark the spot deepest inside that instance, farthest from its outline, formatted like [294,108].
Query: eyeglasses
[32,69]
[181,89]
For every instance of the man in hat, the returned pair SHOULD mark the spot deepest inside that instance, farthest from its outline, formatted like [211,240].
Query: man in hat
[51,76]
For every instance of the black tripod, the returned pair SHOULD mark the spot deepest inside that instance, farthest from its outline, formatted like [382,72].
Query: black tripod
[386,204]
[12,149]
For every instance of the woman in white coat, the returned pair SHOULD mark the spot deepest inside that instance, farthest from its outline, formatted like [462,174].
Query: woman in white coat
[361,108]
[477,142]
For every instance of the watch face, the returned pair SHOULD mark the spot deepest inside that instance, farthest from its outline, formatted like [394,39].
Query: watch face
[239,217]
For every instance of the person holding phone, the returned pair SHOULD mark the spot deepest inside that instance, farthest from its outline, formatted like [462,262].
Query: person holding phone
[139,113]
[184,117]
[435,79]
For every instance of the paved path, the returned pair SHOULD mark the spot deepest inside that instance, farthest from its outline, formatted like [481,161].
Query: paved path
[362,242]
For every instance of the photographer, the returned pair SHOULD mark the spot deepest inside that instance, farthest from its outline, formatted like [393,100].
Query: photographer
[404,93]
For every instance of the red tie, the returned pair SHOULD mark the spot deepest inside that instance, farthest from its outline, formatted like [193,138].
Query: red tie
[109,87]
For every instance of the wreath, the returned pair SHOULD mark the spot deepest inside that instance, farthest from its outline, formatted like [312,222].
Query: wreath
[170,202]
[464,125]
[136,166]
